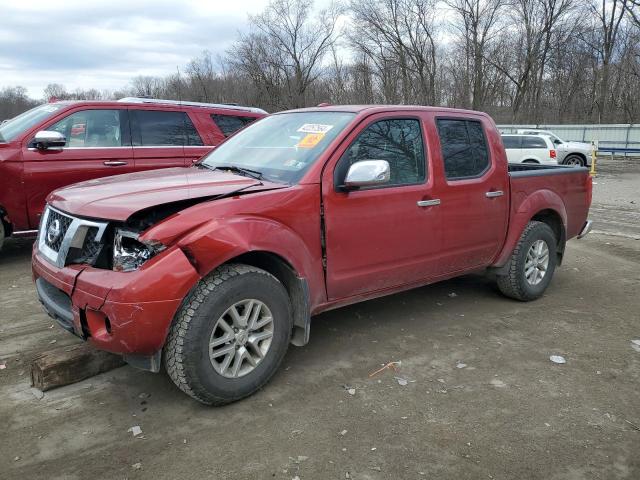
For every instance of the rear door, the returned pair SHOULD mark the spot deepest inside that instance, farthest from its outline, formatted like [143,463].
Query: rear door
[196,144]
[535,147]
[384,236]
[98,145]
[159,137]
[474,193]
[512,145]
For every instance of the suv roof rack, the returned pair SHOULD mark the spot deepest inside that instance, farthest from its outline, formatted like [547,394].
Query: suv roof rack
[159,101]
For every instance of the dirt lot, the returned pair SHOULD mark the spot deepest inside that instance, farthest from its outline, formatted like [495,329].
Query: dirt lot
[509,413]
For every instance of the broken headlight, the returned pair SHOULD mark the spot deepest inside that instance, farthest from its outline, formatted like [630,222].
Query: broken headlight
[129,252]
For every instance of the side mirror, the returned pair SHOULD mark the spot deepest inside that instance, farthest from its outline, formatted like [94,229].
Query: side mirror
[557,142]
[48,138]
[367,173]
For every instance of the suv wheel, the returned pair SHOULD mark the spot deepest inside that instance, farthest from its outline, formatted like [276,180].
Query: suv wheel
[531,265]
[574,161]
[230,335]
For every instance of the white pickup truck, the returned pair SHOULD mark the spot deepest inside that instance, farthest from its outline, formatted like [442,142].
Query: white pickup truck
[568,153]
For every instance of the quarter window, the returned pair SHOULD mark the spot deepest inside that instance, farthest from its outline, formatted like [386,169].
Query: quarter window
[398,141]
[91,128]
[464,148]
[161,128]
[533,142]
[229,124]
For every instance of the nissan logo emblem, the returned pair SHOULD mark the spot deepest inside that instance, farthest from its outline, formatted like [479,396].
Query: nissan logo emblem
[54,231]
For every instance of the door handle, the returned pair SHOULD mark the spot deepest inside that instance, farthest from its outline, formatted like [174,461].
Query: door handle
[429,203]
[493,194]
[114,163]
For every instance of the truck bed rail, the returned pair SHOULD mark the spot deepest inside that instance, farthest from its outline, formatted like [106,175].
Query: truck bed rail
[518,170]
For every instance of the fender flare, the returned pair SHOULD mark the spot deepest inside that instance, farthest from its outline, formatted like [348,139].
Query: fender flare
[267,244]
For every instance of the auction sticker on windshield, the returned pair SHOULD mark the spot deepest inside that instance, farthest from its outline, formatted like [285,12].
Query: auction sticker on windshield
[315,128]
[310,140]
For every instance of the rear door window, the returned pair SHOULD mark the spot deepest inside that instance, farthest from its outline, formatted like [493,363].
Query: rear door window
[511,142]
[229,124]
[533,142]
[163,128]
[93,128]
[464,148]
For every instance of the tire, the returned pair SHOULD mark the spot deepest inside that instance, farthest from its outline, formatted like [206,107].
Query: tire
[574,160]
[2,234]
[515,284]
[531,162]
[205,311]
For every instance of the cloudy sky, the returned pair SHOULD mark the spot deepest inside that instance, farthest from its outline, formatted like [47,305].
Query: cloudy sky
[103,44]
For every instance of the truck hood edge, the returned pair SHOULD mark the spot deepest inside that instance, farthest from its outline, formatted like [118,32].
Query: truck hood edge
[120,196]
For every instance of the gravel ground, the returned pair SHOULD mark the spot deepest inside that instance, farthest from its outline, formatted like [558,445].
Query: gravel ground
[482,398]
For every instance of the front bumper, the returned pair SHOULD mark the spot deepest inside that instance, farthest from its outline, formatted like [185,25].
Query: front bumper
[128,313]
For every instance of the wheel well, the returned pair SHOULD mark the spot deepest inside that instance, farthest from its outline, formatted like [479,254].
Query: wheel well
[296,287]
[577,154]
[553,219]
[530,160]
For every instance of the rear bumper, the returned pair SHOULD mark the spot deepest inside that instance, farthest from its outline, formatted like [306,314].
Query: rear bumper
[128,313]
[585,229]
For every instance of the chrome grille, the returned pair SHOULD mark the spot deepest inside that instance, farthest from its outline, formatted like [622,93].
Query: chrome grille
[91,246]
[65,239]
[55,229]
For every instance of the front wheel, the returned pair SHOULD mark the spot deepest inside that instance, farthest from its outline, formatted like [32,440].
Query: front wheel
[574,161]
[532,263]
[230,335]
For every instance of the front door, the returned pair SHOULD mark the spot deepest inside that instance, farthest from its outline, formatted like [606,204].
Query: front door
[98,145]
[387,236]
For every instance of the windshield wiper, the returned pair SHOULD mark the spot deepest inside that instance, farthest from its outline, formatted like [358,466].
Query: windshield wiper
[247,172]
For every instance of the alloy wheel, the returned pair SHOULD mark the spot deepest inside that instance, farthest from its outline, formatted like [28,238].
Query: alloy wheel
[537,262]
[241,338]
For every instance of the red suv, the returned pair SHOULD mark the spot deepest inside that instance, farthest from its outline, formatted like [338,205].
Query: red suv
[61,143]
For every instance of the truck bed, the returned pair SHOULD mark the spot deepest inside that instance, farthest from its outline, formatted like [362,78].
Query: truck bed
[565,188]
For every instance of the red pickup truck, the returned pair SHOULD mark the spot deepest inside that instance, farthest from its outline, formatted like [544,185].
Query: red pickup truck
[61,143]
[216,268]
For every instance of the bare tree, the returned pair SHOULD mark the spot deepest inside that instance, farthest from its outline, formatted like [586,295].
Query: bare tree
[477,23]
[284,53]
[398,37]
[608,15]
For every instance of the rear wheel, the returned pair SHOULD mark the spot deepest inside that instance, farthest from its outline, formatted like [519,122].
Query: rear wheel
[532,263]
[230,335]
[574,160]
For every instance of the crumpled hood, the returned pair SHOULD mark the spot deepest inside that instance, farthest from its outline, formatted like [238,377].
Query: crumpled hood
[120,196]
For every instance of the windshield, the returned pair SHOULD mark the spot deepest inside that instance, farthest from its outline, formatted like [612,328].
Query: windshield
[11,129]
[281,147]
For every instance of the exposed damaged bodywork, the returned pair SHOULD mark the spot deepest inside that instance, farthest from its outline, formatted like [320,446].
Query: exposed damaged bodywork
[122,294]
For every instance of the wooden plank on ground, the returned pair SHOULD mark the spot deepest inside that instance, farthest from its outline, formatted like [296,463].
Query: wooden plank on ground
[68,365]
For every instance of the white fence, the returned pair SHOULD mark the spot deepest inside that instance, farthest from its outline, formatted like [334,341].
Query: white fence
[622,138]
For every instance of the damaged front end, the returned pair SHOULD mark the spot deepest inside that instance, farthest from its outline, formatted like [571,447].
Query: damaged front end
[106,284]
[130,252]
